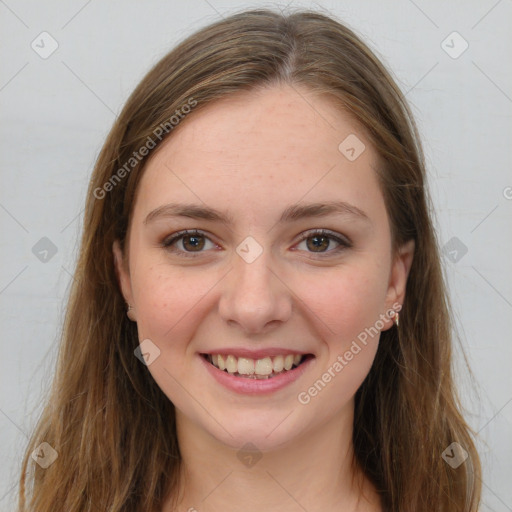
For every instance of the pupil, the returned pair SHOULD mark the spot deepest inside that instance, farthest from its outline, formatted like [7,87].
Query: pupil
[196,242]
[319,242]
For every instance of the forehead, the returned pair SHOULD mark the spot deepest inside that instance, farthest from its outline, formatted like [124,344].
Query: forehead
[260,148]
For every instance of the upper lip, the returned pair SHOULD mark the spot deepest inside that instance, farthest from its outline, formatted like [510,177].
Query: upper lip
[254,354]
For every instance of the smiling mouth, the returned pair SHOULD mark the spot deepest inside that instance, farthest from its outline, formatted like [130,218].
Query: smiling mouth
[265,368]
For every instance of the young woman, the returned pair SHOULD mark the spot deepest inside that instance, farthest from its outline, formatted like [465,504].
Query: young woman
[258,319]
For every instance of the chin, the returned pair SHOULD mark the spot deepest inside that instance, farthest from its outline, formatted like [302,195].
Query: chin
[265,434]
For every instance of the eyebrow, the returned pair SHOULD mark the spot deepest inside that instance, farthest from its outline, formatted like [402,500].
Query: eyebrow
[292,213]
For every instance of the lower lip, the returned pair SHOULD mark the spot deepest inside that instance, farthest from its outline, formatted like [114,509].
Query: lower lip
[250,386]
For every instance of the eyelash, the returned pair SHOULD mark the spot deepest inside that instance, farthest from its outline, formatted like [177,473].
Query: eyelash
[344,243]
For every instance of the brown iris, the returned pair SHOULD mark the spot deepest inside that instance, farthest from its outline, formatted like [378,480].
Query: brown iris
[319,242]
[196,242]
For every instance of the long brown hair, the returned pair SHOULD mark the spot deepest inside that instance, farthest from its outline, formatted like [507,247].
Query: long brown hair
[112,427]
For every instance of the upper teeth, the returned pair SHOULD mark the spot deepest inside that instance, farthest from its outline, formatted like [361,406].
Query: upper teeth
[246,366]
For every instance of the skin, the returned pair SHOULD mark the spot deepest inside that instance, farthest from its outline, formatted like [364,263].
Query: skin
[252,155]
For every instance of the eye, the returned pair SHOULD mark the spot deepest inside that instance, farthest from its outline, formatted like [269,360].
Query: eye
[188,241]
[322,240]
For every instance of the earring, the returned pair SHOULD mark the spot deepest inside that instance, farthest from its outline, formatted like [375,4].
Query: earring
[130,313]
[395,318]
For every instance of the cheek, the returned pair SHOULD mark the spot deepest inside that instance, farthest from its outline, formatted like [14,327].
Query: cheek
[345,300]
[347,304]
[170,305]
[168,302]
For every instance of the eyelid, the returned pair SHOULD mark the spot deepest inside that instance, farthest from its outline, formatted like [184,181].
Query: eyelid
[342,239]
[168,241]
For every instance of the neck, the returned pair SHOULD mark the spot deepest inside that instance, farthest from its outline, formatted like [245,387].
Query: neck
[314,471]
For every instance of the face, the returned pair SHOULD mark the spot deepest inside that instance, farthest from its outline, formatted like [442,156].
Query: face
[286,256]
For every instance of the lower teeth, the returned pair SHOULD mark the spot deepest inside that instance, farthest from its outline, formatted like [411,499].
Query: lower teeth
[255,376]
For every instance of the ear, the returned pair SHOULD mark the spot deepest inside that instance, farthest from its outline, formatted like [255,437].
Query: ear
[122,273]
[398,278]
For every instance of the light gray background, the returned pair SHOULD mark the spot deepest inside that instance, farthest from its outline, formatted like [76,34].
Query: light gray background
[56,112]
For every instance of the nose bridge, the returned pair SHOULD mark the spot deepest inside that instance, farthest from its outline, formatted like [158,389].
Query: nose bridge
[253,296]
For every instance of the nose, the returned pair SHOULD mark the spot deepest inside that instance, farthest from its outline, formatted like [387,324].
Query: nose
[255,298]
